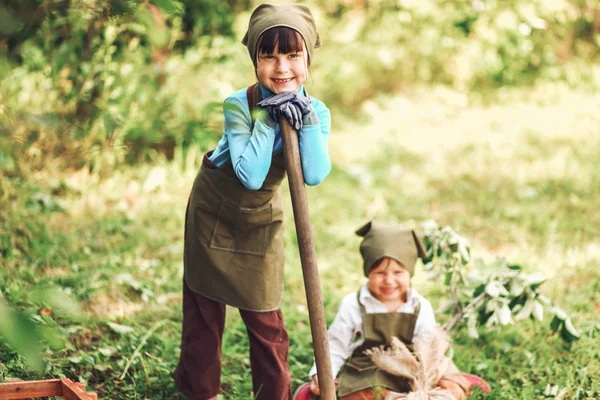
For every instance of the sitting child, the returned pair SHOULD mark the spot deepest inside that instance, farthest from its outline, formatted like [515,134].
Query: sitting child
[384,307]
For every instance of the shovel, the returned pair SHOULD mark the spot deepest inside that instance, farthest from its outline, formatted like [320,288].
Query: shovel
[308,259]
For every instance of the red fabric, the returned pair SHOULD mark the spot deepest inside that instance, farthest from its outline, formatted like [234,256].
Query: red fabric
[198,374]
[303,392]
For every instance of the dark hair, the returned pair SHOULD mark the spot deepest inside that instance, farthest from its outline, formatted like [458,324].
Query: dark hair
[377,263]
[381,260]
[287,40]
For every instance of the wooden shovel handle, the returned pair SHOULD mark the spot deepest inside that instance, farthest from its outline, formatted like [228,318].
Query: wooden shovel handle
[308,257]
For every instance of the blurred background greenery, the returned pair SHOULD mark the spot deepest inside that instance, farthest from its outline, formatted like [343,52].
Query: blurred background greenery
[98,83]
[481,114]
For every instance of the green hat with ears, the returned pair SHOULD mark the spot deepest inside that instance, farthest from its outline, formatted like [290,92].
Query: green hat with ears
[385,240]
[295,16]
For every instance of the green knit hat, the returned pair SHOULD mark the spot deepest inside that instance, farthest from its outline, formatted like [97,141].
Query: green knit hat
[385,240]
[295,16]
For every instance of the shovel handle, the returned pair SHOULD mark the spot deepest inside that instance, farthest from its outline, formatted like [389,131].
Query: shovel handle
[308,258]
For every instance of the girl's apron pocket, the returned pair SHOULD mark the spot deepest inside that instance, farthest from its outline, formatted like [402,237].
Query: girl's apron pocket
[242,230]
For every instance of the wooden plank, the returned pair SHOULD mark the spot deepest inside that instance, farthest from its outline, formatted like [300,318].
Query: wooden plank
[76,391]
[26,390]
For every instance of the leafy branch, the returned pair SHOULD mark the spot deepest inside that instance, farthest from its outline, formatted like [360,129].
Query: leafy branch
[487,294]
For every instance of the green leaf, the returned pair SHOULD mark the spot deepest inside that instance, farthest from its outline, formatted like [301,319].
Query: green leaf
[503,291]
[448,278]
[492,289]
[107,351]
[9,22]
[543,299]
[551,390]
[171,7]
[559,313]
[120,329]
[535,280]
[492,306]
[103,367]
[516,287]
[526,311]
[20,333]
[127,279]
[496,289]
[472,327]
[75,359]
[568,332]
[480,289]
[57,300]
[493,320]
[538,310]
[464,251]
[44,202]
[109,125]
[556,324]
[505,316]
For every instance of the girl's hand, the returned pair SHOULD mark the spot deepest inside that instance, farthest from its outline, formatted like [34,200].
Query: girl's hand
[458,386]
[290,105]
[314,386]
[310,117]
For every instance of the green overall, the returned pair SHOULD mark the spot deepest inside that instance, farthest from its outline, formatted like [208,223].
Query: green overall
[360,372]
[233,250]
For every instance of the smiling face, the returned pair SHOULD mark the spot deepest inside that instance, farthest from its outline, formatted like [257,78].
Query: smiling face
[389,282]
[282,63]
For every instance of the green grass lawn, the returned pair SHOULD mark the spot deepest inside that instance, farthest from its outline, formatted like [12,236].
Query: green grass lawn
[518,178]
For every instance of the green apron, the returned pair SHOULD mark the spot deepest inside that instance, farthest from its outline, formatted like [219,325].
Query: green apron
[233,249]
[360,372]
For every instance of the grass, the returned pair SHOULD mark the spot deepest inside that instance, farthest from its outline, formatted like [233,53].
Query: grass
[518,178]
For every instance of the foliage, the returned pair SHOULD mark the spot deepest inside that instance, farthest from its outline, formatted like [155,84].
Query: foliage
[384,46]
[114,246]
[101,83]
[56,277]
[90,248]
[104,83]
[496,293]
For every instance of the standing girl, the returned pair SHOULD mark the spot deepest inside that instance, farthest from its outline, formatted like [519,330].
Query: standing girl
[234,236]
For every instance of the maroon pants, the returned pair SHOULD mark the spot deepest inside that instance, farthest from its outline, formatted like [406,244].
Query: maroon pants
[198,374]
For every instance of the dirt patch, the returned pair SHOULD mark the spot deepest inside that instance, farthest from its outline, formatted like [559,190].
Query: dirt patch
[107,306]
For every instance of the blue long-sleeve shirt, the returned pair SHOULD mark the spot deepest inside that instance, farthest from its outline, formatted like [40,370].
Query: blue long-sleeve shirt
[251,152]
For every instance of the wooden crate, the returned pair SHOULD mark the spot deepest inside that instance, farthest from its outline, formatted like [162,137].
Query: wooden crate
[17,390]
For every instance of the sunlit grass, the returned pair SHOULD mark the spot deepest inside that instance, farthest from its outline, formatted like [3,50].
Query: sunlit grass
[518,180]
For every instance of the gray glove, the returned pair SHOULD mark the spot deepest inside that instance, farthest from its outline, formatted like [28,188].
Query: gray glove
[290,105]
[310,117]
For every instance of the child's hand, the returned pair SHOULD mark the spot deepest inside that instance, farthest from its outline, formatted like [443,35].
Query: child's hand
[310,117]
[290,105]
[314,386]
[458,386]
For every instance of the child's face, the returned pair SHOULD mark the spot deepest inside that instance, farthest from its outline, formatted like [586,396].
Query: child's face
[389,281]
[282,72]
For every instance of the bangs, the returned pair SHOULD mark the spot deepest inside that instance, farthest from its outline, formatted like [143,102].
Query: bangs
[377,264]
[387,261]
[287,40]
